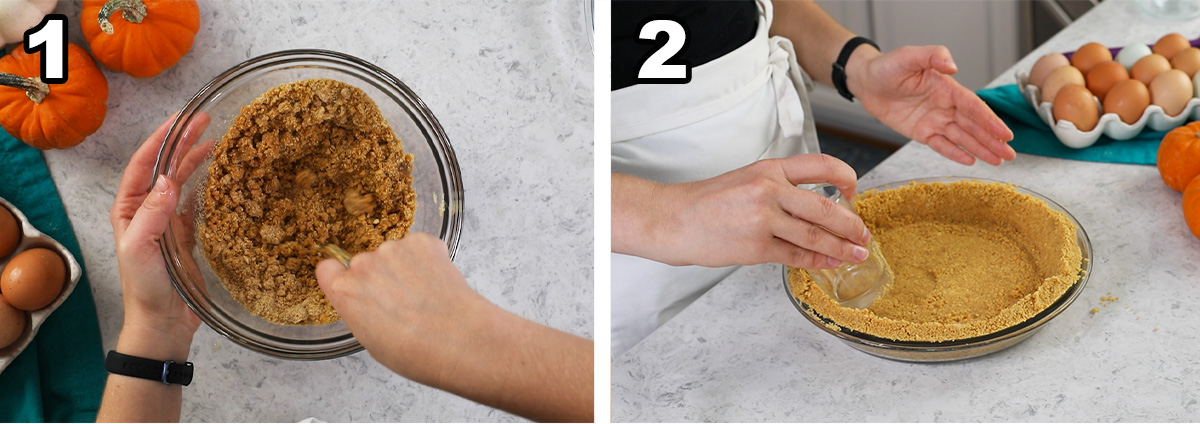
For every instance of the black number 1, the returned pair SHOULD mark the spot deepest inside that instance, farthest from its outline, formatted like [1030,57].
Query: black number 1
[50,38]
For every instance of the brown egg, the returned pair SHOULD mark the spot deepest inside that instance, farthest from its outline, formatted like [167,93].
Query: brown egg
[1128,99]
[10,232]
[1091,54]
[1187,60]
[1170,44]
[33,279]
[1171,90]
[1074,103]
[1149,67]
[1058,79]
[1105,75]
[12,323]
[1045,65]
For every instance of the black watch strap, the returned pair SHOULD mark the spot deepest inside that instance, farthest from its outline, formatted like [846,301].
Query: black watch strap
[839,67]
[167,372]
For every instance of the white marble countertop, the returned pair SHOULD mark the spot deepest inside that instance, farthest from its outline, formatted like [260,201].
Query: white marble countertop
[512,84]
[743,353]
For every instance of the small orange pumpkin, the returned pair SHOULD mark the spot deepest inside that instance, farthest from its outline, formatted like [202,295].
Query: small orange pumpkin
[140,37]
[51,116]
[1191,206]
[1179,156]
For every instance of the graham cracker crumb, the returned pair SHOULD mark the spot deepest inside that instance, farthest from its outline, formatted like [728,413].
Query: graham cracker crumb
[279,186]
[970,258]
[357,203]
[304,179]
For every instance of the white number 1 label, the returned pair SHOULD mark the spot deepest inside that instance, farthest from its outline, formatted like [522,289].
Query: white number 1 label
[50,38]
[655,68]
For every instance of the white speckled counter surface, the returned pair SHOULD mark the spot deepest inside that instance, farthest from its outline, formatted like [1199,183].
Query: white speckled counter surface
[511,82]
[743,353]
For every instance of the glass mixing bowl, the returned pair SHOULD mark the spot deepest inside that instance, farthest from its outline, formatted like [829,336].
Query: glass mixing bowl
[185,156]
[956,349]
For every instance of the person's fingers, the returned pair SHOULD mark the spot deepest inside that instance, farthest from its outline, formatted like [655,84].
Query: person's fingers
[151,218]
[192,160]
[818,239]
[820,210]
[819,168]
[195,129]
[791,255]
[972,145]
[428,243]
[192,153]
[1001,149]
[137,172]
[972,108]
[939,59]
[131,191]
[974,127]
[142,163]
[950,150]
[915,59]
[327,271]
[992,144]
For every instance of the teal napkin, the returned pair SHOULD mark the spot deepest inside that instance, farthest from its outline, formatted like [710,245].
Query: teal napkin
[1031,135]
[60,376]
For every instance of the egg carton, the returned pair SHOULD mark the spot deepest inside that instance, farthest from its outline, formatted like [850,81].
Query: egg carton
[1110,124]
[32,238]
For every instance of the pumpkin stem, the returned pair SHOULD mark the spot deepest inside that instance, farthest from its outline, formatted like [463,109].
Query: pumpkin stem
[34,87]
[132,10]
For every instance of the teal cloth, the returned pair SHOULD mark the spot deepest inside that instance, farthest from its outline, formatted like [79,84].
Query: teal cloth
[1032,135]
[60,376]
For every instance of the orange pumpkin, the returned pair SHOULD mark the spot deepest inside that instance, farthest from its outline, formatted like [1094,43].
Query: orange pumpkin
[1191,206]
[1179,156]
[140,37]
[51,116]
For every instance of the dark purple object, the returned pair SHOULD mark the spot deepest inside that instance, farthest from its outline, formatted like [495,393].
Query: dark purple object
[1115,50]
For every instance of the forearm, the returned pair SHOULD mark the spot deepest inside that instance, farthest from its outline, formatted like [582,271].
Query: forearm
[529,369]
[818,39]
[129,399]
[638,212]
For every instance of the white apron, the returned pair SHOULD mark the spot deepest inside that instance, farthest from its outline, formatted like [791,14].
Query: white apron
[748,105]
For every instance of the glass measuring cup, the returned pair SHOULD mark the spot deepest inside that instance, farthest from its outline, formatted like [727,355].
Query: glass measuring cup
[853,285]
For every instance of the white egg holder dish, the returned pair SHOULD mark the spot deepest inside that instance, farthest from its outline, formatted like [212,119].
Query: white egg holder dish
[1110,124]
[32,238]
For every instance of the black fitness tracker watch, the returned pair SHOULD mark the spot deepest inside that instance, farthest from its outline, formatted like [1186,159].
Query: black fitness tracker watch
[839,67]
[168,372]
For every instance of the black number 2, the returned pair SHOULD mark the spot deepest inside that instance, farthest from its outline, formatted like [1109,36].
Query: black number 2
[50,38]
[663,66]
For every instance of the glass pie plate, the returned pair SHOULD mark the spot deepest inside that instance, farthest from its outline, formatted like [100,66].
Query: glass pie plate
[185,157]
[954,350]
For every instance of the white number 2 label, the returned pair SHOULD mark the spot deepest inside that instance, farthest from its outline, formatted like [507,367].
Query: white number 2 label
[50,38]
[655,68]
